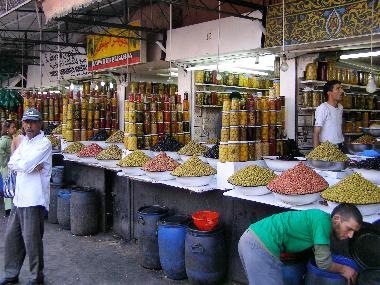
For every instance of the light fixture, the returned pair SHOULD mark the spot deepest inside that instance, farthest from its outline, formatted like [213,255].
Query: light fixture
[359,55]
[371,85]
[111,85]
[102,83]
[72,86]
[284,65]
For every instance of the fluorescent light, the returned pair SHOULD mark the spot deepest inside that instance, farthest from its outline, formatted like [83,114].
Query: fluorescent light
[360,55]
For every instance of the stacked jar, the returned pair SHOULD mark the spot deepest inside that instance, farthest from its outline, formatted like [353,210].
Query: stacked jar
[90,116]
[83,124]
[64,116]
[69,121]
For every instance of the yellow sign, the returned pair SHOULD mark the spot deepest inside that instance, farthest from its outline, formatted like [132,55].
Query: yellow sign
[105,52]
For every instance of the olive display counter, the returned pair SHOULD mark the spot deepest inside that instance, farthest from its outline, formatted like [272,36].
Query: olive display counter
[121,195]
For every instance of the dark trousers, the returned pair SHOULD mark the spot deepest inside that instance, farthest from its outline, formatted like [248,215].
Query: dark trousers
[24,233]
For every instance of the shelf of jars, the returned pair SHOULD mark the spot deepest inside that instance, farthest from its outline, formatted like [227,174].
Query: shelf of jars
[230,86]
[152,111]
[321,83]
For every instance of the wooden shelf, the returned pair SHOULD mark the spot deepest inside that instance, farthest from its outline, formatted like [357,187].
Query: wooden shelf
[227,86]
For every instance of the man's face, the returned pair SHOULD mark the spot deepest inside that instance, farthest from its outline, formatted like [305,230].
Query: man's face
[31,127]
[337,92]
[344,229]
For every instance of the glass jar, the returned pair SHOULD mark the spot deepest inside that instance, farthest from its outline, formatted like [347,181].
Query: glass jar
[186,127]
[132,129]
[264,102]
[264,133]
[265,148]
[272,132]
[234,133]
[243,133]
[244,151]
[251,134]
[139,116]
[244,118]
[258,150]
[199,76]
[251,118]
[235,104]
[186,116]
[234,118]
[139,129]
[370,102]
[347,101]
[311,71]
[132,143]
[280,147]
[225,119]
[276,86]
[259,118]
[167,127]
[258,132]
[225,134]
[147,141]
[348,127]
[226,105]
[272,104]
[154,139]
[223,151]
[265,117]
[307,99]
[358,126]
[272,117]
[251,150]
[233,151]
[317,98]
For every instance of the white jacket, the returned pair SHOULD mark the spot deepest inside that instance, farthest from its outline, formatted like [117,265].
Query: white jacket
[32,187]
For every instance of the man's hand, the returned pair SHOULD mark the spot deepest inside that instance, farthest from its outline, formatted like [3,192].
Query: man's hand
[350,274]
[39,168]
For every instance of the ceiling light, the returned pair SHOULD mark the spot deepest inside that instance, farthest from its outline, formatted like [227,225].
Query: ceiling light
[111,85]
[284,64]
[102,83]
[360,55]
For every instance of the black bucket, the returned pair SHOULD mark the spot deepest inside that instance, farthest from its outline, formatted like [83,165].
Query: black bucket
[205,255]
[147,222]
[84,212]
[63,209]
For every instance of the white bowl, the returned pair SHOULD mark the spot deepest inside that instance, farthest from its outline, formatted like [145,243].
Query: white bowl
[194,181]
[212,161]
[160,175]
[369,174]
[134,171]
[186,157]
[253,191]
[108,162]
[298,200]
[365,210]
[279,165]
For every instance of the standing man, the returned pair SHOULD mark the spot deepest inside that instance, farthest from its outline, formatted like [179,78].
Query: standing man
[295,231]
[25,228]
[329,116]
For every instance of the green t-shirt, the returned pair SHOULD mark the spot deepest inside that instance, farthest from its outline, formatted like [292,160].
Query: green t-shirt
[293,231]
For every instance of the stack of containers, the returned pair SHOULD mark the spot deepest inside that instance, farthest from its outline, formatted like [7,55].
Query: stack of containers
[251,128]
[97,107]
[90,116]
[65,102]
[69,121]
[153,111]
[83,115]
[76,120]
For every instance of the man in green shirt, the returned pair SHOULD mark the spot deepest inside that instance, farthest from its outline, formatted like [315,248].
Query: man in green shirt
[295,231]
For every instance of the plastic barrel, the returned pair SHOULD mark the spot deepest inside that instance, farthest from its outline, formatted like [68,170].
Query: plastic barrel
[205,255]
[171,245]
[63,209]
[84,212]
[147,220]
[52,216]
[57,174]
[293,273]
[318,276]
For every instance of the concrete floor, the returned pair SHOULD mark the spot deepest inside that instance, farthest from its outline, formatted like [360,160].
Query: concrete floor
[100,259]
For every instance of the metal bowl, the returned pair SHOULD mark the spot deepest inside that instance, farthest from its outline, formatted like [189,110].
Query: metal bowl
[355,148]
[327,165]
[372,131]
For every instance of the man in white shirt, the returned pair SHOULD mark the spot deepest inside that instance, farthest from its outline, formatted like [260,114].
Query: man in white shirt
[32,161]
[329,116]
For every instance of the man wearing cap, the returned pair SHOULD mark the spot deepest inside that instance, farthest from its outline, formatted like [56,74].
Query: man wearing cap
[32,161]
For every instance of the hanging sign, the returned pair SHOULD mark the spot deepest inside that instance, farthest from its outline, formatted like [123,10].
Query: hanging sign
[72,64]
[104,52]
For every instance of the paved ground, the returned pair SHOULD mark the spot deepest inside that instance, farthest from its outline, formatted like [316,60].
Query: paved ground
[100,259]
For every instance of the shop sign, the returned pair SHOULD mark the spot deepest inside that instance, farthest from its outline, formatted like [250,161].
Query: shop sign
[105,52]
[310,21]
[71,65]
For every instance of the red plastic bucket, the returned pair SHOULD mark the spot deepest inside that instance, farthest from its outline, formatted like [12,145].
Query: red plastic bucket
[205,220]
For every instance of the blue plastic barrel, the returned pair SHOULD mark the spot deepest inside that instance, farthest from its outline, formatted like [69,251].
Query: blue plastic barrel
[63,209]
[147,222]
[171,245]
[293,273]
[318,276]
[205,255]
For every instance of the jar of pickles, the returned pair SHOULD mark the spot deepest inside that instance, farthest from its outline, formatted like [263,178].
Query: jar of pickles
[358,126]
[244,151]
[272,117]
[243,133]
[139,129]
[258,150]
[234,151]
[235,104]
[225,119]
[244,117]
[225,134]
[147,141]
[251,134]
[347,101]
[276,86]
[251,118]
[258,132]
[265,148]
[251,150]
[199,76]
[223,151]
[132,142]
[370,102]
[226,105]
[317,98]
[264,102]
[234,133]
[348,127]
[154,139]
[264,133]
[307,98]
[234,118]
[265,117]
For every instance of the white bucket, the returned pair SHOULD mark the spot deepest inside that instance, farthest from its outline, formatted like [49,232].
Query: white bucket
[57,174]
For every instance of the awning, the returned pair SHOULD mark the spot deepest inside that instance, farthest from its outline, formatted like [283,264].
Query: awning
[59,8]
